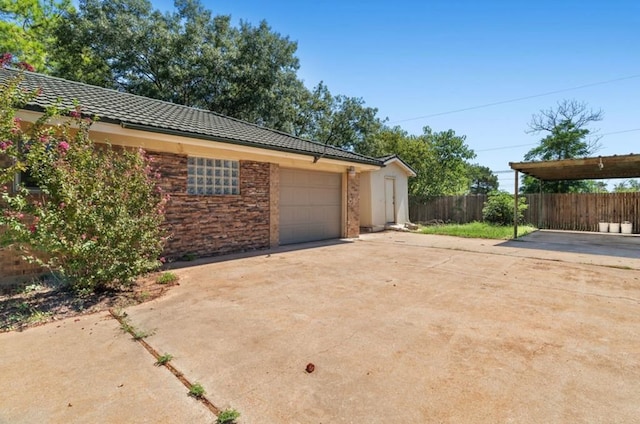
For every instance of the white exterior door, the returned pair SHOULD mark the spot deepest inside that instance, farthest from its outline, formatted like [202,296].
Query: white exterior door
[390,200]
[310,205]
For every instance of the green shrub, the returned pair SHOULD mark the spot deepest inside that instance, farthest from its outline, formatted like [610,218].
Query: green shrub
[97,218]
[498,209]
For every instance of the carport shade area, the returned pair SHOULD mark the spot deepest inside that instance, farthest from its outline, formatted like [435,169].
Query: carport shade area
[595,168]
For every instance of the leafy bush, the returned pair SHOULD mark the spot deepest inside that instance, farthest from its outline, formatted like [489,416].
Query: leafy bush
[97,217]
[498,209]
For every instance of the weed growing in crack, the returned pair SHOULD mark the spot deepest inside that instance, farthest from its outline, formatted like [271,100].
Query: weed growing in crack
[164,359]
[127,327]
[228,416]
[141,334]
[197,391]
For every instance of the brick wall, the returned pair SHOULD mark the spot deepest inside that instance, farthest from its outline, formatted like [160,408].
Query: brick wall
[15,270]
[213,225]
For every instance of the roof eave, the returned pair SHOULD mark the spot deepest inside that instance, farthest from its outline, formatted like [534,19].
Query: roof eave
[315,155]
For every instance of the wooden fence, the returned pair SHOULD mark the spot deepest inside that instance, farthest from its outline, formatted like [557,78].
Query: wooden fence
[571,211]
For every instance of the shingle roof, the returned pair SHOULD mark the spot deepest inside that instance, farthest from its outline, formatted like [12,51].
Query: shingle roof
[159,116]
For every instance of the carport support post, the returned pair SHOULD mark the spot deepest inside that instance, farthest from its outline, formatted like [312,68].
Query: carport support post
[515,208]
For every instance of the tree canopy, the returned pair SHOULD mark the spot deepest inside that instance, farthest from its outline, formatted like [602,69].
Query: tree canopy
[627,186]
[27,26]
[439,159]
[481,179]
[567,137]
[190,56]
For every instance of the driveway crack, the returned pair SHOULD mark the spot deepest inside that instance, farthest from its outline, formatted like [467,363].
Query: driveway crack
[121,318]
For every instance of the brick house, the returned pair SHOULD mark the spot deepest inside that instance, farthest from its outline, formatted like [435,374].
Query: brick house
[234,186]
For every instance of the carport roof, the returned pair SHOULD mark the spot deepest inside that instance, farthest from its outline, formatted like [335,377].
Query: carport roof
[595,168]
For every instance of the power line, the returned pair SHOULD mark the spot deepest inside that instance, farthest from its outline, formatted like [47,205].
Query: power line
[619,132]
[533,144]
[517,99]
[505,147]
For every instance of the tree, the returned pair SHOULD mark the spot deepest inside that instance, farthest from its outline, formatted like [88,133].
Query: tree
[187,56]
[339,121]
[439,159]
[481,179]
[27,26]
[448,166]
[96,219]
[260,77]
[594,186]
[627,186]
[191,57]
[567,137]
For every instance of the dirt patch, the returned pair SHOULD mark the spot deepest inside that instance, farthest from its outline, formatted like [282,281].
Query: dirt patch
[46,301]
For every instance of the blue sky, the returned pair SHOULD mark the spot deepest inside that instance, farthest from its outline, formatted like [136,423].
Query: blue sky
[416,59]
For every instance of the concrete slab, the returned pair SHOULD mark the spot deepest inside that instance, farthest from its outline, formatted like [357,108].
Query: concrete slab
[408,328]
[579,247]
[603,244]
[86,370]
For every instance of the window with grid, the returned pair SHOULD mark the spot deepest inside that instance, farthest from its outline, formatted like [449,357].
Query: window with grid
[212,176]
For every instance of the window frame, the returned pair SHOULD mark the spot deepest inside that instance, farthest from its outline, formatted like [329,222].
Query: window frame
[18,181]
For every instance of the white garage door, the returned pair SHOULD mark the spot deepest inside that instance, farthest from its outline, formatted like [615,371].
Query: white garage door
[310,205]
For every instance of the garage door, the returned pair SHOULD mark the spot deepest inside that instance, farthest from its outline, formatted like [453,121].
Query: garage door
[310,206]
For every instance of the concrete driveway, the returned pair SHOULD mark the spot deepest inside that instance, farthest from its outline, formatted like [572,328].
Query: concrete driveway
[400,327]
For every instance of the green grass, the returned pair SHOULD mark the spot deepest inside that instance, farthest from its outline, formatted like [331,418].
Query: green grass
[477,230]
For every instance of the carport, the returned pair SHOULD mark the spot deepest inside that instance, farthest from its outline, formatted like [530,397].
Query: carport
[595,168]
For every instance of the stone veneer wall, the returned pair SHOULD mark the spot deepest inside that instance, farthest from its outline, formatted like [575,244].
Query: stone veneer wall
[213,225]
[353,206]
[274,205]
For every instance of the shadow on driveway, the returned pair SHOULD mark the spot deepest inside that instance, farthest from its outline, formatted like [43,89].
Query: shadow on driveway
[623,246]
[254,253]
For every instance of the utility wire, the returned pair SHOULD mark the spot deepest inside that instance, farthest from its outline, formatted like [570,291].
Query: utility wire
[517,99]
[505,147]
[533,144]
